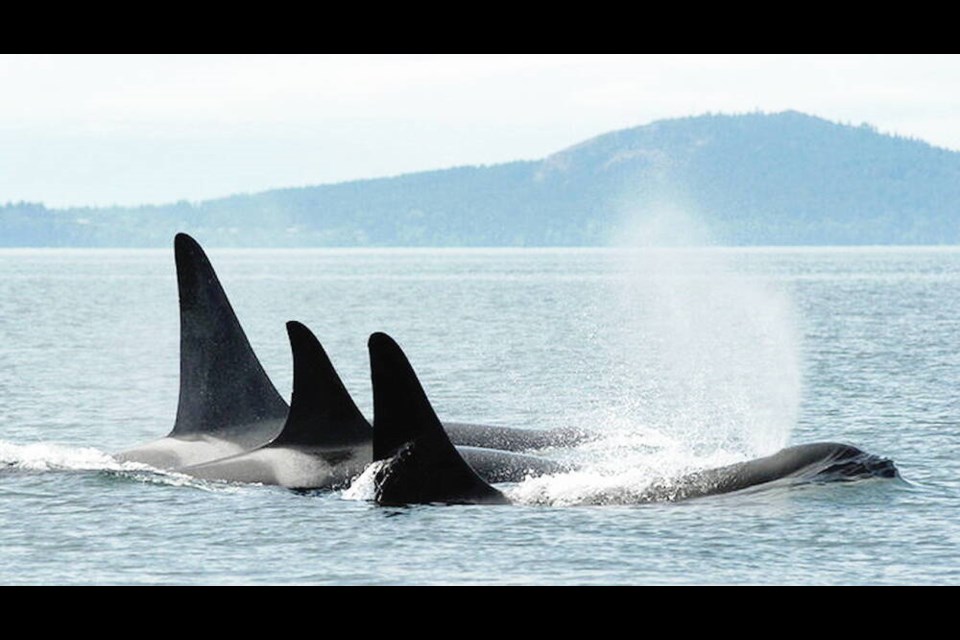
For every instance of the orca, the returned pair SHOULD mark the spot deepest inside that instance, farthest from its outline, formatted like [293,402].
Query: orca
[228,405]
[418,464]
[326,441]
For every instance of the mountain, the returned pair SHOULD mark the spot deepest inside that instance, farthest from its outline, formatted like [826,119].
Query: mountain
[768,179]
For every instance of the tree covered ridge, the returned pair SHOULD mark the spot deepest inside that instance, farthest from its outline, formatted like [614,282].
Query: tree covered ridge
[779,179]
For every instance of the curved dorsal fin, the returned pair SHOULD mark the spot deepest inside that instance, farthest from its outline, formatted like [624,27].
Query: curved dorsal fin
[421,464]
[322,413]
[222,384]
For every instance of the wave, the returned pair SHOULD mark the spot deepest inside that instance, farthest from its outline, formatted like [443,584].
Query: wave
[51,457]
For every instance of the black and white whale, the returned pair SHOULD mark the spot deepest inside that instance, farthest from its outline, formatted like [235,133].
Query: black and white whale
[228,405]
[418,464]
[325,441]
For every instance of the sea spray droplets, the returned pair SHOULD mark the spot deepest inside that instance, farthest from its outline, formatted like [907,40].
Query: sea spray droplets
[364,486]
[704,353]
[716,354]
[638,474]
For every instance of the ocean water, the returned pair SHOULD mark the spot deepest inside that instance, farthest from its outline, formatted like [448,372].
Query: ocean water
[678,358]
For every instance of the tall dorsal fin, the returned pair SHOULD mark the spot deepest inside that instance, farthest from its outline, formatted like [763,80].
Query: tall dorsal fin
[222,384]
[322,413]
[421,464]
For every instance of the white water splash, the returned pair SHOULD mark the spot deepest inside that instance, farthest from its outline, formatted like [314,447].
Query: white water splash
[618,471]
[363,487]
[47,456]
[707,356]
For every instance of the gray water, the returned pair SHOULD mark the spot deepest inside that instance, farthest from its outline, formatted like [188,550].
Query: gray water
[680,359]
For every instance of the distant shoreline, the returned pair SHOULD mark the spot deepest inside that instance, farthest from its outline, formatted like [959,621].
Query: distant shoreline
[784,179]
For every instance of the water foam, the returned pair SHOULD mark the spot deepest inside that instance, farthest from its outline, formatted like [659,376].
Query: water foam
[363,487]
[622,467]
[48,456]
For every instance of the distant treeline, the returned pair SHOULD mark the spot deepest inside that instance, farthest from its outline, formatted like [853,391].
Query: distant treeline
[768,179]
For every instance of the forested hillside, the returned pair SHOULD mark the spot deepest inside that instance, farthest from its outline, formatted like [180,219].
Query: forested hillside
[784,179]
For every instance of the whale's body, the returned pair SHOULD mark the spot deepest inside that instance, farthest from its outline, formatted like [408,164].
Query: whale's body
[419,464]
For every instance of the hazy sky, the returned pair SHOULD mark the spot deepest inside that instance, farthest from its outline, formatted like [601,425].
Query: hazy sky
[102,130]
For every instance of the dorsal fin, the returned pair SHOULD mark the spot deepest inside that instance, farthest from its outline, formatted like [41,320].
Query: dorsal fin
[222,384]
[421,464]
[322,413]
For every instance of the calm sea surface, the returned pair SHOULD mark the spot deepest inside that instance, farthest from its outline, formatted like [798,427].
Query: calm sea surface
[680,359]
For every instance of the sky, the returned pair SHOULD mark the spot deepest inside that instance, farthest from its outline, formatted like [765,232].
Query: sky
[98,130]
